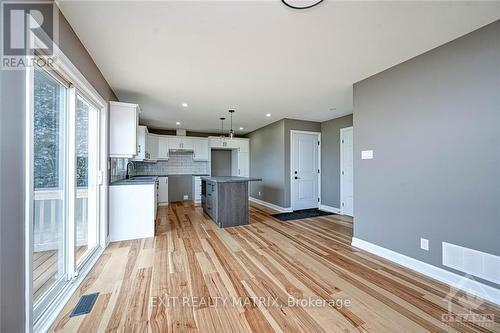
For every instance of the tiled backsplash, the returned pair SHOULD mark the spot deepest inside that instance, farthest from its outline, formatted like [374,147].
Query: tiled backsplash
[178,163]
[118,169]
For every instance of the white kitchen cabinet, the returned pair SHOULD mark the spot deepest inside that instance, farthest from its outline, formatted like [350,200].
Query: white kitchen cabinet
[240,164]
[243,145]
[180,143]
[142,134]
[132,211]
[174,143]
[187,143]
[197,189]
[218,142]
[163,191]
[243,164]
[163,147]
[152,148]
[200,149]
[123,122]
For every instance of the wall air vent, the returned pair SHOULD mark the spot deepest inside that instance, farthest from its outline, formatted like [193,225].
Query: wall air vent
[480,264]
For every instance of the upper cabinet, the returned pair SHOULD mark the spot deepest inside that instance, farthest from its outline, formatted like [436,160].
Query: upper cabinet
[199,146]
[142,136]
[163,147]
[200,149]
[152,147]
[180,143]
[241,144]
[123,122]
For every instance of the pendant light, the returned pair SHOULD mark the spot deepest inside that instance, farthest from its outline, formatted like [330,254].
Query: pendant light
[222,126]
[231,132]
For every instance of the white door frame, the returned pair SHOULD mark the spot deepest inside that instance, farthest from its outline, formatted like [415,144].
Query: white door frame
[292,132]
[64,67]
[342,130]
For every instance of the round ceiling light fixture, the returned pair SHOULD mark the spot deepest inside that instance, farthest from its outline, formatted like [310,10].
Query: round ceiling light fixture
[313,4]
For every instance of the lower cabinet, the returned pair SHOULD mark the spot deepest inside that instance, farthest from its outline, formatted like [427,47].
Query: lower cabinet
[132,211]
[197,189]
[163,191]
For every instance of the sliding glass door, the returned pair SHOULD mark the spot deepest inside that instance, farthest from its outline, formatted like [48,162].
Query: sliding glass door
[65,163]
[87,190]
[50,184]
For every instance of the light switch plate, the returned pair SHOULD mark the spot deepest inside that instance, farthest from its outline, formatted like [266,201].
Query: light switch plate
[424,244]
[367,154]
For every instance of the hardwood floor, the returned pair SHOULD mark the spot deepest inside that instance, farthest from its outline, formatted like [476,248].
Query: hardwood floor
[178,281]
[45,265]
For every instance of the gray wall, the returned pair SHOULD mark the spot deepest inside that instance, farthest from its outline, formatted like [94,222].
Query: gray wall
[12,201]
[221,162]
[330,159]
[301,125]
[270,159]
[12,132]
[434,125]
[267,157]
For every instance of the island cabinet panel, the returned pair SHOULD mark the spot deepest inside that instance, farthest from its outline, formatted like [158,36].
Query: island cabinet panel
[232,202]
[225,202]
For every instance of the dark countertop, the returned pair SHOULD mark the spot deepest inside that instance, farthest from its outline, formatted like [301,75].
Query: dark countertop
[137,180]
[230,179]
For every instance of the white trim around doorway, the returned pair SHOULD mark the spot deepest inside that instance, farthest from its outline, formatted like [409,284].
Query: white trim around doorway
[342,130]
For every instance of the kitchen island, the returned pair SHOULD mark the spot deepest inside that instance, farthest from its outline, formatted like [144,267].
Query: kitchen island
[225,199]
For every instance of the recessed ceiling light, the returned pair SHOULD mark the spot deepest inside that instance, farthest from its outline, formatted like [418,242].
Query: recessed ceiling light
[268,115]
[184,105]
[241,128]
[178,123]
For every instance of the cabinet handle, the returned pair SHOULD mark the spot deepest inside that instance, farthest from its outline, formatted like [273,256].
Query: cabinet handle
[138,148]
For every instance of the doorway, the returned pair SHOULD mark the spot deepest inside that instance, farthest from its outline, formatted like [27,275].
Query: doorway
[66,218]
[305,171]
[346,172]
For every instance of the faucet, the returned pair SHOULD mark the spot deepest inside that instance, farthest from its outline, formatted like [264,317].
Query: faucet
[127,175]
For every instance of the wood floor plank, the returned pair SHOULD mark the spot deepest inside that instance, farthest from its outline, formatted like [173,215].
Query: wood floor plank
[194,277]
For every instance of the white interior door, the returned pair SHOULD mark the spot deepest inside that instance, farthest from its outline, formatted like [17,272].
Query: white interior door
[347,171]
[305,170]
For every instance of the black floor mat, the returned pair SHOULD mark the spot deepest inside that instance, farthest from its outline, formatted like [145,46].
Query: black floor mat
[84,305]
[301,214]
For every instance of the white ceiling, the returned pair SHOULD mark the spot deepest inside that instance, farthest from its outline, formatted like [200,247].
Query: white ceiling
[257,57]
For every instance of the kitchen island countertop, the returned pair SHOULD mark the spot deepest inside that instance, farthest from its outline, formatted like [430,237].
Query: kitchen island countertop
[230,179]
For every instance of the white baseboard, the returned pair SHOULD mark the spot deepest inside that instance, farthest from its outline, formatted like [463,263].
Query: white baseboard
[455,280]
[329,209]
[270,205]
